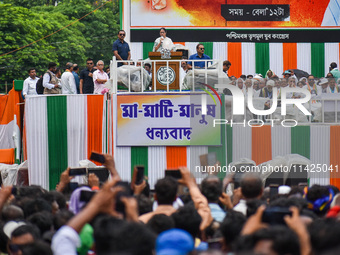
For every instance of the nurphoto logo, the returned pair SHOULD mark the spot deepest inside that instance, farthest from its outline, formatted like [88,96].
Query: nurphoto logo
[238,106]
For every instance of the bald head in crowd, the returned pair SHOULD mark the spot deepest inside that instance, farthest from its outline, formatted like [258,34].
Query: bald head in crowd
[251,186]
[12,212]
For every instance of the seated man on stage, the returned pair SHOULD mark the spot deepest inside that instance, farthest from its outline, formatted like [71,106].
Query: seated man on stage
[199,55]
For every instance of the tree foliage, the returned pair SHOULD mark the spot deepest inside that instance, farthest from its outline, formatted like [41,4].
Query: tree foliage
[91,36]
[29,3]
[100,28]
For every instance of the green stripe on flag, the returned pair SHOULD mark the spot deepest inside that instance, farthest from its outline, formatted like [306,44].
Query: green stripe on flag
[208,46]
[318,59]
[121,14]
[221,150]
[229,144]
[147,47]
[300,140]
[57,137]
[262,58]
[139,156]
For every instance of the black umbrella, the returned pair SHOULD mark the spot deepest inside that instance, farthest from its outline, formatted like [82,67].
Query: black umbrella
[300,73]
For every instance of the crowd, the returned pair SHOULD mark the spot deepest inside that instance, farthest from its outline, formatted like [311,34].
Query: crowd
[92,79]
[263,86]
[177,217]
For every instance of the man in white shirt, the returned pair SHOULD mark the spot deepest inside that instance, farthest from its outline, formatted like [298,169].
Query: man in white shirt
[99,78]
[68,83]
[183,71]
[30,83]
[312,87]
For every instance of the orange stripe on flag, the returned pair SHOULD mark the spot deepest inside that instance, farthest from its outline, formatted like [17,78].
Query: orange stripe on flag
[289,56]
[176,157]
[3,103]
[261,148]
[7,107]
[183,43]
[94,124]
[334,158]
[7,156]
[235,57]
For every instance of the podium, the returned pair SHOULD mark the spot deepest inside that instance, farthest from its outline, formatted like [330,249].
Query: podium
[163,75]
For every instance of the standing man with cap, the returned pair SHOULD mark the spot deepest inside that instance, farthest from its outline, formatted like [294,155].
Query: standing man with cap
[121,49]
[267,92]
[324,85]
[68,83]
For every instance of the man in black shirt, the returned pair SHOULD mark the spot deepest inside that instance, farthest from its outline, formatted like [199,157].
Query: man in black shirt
[86,84]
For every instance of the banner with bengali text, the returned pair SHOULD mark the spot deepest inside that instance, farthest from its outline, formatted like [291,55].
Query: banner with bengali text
[168,120]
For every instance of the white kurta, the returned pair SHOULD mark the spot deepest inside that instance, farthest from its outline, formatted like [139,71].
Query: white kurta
[68,83]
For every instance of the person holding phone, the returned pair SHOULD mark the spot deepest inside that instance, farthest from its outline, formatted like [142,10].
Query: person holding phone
[165,195]
[163,42]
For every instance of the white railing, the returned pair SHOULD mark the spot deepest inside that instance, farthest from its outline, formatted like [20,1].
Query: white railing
[326,110]
[131,70]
